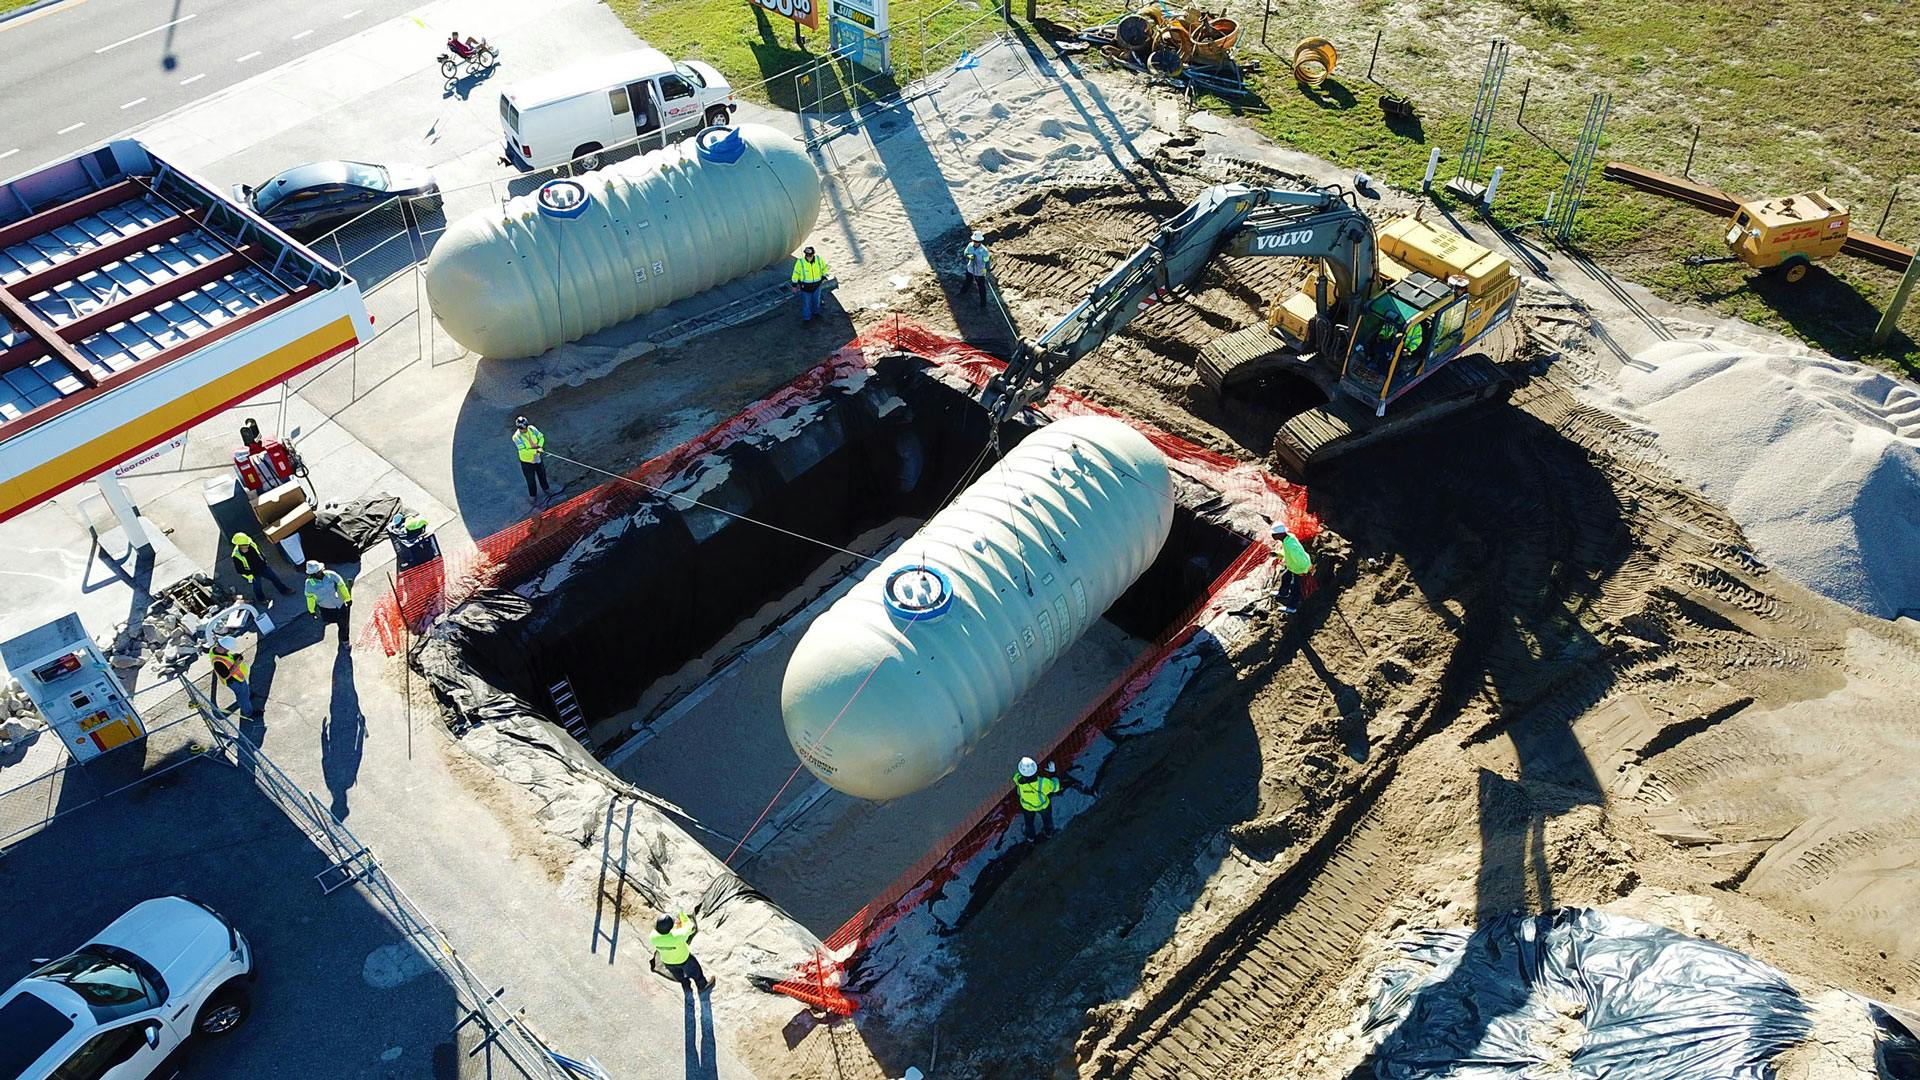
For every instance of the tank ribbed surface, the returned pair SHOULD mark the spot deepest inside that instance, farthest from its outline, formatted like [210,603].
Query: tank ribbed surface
[514,281]
[880,704]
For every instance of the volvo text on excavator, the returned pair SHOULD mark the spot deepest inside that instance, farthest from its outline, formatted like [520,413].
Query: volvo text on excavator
[1384,323]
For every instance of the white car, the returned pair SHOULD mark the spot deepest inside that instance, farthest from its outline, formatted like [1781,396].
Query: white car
[121,1005]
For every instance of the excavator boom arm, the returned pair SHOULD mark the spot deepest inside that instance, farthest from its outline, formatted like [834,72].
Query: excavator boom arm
[1321,223]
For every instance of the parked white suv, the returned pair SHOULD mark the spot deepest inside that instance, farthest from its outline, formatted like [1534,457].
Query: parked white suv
[121,1005]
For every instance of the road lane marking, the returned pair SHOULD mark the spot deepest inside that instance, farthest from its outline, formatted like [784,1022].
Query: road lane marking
[9,153]
[193,79]
[135,101]
[300,35]
[142,34]
[72,127]
[351,14]
[244,59]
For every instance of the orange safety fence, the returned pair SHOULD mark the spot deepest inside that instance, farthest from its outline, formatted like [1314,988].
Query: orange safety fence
[515,554]
[821,979]
[820,982]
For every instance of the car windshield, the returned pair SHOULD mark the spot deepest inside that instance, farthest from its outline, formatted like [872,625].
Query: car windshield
[366,176]
[689,74]
[28,1028]
[105,977]
[307,177]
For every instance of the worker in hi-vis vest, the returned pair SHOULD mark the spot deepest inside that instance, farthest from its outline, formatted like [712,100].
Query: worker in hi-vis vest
[977,259]
[530,443]
[328,596]
[1294,565]
[809,271]
[249,561]
[672,949]
[230,667]
[1036,794]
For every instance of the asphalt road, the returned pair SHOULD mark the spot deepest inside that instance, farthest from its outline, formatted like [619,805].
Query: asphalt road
[81,71]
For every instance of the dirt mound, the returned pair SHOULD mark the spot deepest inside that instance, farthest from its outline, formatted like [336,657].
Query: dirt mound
[1526,619]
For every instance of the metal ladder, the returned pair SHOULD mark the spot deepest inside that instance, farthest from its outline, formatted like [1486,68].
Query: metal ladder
[567,708]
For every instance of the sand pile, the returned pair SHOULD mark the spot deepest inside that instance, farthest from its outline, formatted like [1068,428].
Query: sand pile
[1818,460]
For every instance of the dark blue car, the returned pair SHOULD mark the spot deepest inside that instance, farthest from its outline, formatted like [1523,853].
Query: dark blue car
[312,200]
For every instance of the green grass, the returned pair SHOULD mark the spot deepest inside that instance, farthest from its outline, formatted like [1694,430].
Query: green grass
[1787,95]
[1776,112]
[13,5]
[757,50]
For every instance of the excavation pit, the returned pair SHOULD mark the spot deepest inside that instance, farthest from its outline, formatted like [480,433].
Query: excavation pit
[669,615]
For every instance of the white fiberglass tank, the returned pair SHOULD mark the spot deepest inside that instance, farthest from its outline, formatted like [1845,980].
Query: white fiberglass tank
[894,683]
[583,254]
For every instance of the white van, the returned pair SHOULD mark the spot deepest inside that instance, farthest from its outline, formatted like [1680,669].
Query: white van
[601,103]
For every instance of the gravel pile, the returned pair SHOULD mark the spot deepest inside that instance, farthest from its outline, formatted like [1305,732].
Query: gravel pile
[1818,460]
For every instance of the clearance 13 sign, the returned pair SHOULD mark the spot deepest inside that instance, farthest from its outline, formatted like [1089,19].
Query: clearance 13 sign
[804,12]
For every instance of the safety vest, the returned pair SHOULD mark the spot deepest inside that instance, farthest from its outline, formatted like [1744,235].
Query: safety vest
[529,443]
[1294,556]
[809,271]
[1415,335]
[978,258]
[243,552]
[228,665]
[331,584]
[1036,793]
[671,948]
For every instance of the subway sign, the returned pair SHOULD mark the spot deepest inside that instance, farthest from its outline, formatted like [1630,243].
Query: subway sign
[803,12]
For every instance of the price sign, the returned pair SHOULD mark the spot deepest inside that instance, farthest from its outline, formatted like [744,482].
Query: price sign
[804,12]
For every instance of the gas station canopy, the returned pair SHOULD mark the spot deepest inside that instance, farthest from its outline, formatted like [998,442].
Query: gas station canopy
[136,301]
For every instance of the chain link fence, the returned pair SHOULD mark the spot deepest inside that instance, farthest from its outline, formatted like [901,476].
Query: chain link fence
[54,783]
[185,727]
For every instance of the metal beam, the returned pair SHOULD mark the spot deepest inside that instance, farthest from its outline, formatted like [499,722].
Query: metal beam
[113,251]
[21,355]
[68,212]
[50,340]
[147,299]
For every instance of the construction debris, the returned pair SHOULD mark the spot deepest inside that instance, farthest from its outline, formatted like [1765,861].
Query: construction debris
[1191,49]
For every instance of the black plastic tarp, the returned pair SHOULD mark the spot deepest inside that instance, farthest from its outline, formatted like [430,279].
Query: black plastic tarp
[1643,1002]
[338,534]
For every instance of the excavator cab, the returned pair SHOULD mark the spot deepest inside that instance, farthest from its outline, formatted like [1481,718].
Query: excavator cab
[1405,333]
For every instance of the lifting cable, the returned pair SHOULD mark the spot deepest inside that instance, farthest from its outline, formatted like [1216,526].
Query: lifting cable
[691,501]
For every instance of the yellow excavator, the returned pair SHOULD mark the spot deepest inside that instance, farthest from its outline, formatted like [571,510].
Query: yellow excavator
[1386,319]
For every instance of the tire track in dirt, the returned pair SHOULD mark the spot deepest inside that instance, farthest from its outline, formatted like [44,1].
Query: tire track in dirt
[1304,930]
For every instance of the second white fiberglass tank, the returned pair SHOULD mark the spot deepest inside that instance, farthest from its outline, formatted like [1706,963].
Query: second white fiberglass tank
[583,254]
[898,679]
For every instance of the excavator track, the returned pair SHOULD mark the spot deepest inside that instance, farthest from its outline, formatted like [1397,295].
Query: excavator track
[1312,439]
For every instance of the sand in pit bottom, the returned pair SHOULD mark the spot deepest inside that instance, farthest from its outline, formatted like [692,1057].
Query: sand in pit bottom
[722,753]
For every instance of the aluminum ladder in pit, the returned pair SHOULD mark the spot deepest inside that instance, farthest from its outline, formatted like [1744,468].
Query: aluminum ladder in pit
[567,708]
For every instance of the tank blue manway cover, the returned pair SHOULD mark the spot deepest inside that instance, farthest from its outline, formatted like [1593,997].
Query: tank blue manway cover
[917,593]
[1600,994]
[563,198]
[721,144]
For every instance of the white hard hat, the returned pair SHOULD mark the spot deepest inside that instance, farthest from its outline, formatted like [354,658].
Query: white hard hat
[315,566]
[978,236]
[1028,767]
[229,643]
[1279,528]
